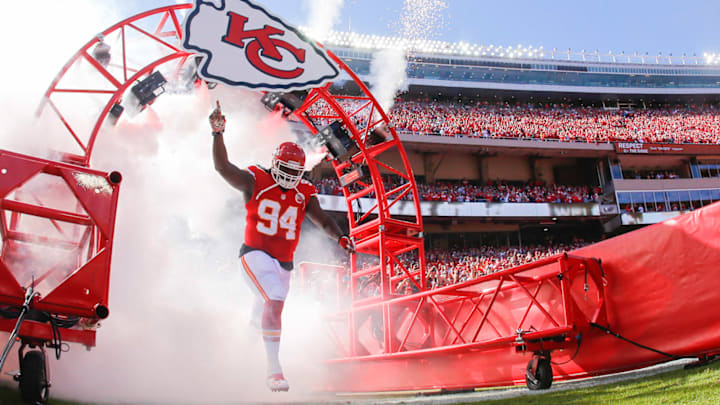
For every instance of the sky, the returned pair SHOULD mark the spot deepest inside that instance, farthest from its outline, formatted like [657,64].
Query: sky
[675,27]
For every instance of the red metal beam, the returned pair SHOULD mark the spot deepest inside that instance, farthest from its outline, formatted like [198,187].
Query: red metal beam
[446,350]
[43,331]
[42,240]
[67,125]
[151,36]
[45,212]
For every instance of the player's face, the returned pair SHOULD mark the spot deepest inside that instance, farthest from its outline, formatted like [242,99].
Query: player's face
[291,172]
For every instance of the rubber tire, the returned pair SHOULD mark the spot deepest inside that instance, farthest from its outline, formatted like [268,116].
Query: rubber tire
[33,380]
[543,375]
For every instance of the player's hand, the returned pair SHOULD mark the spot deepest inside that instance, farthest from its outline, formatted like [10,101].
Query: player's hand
[347,243]
[217,120]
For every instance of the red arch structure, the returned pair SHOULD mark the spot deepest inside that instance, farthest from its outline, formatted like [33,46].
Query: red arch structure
[377,230]
[499,329]
[121,74]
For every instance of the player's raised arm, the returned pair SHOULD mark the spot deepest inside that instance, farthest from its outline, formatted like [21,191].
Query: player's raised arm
[238,178]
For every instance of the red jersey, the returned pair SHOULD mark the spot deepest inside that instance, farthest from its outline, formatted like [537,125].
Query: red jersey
[275,215]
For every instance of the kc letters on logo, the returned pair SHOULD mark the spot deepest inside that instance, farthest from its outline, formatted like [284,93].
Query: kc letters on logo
[244,45]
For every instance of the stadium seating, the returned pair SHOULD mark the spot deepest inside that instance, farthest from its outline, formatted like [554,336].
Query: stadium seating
[555,122]
[452,266]
[494,191]
[688,124]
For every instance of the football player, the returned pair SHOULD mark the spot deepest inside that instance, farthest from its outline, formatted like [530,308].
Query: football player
[276,201]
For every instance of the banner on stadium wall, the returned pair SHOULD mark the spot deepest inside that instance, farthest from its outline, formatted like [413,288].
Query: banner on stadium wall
[247,46]
[470,209]
[664,148]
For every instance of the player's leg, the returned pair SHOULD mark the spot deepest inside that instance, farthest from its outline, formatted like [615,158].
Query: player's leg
[272,326]
[271,329]
[256,313]
[273,283]
[252,277]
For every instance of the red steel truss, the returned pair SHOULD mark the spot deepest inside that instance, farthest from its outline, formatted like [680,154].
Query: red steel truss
[494,310]
[160,27]
[57,222]
[533,307]
[377,230]
[538,307]
[57,219]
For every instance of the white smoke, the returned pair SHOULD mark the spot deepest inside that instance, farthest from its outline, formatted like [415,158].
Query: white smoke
[388,76]
[40,36]
[322,16]
[177,330]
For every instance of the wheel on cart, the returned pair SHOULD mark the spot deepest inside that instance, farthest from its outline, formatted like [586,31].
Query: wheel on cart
[538,375]
[34,385]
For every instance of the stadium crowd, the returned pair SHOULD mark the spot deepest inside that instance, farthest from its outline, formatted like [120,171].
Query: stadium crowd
[688,124]
[492,191]
[559,122]
[452,266]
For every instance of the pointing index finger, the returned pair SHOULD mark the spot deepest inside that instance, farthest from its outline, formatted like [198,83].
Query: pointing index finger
[217,102]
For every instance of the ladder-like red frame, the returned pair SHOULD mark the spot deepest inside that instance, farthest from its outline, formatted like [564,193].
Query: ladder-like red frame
[480,314]
[377,231]
[84,291]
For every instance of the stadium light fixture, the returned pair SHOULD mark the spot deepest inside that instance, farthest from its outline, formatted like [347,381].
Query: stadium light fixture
[337,140]
[115,112]
[101,52]
[353,175]
[149,88]
[287,103]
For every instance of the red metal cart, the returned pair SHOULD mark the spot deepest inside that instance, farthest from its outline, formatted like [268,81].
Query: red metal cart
[56,224]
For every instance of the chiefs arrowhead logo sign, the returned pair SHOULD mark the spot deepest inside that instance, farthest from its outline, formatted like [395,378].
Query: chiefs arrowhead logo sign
[246,46]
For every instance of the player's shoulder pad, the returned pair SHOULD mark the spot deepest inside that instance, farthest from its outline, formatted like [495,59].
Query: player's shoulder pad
[257,169]
[307,187]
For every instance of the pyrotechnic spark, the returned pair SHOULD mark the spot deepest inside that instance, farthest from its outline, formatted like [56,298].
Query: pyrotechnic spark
[93,182]
[422,19]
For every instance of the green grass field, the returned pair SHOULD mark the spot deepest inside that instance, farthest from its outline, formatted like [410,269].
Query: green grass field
[699,385]
[10,394]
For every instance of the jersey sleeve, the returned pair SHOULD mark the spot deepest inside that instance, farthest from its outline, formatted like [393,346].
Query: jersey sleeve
[308,188]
